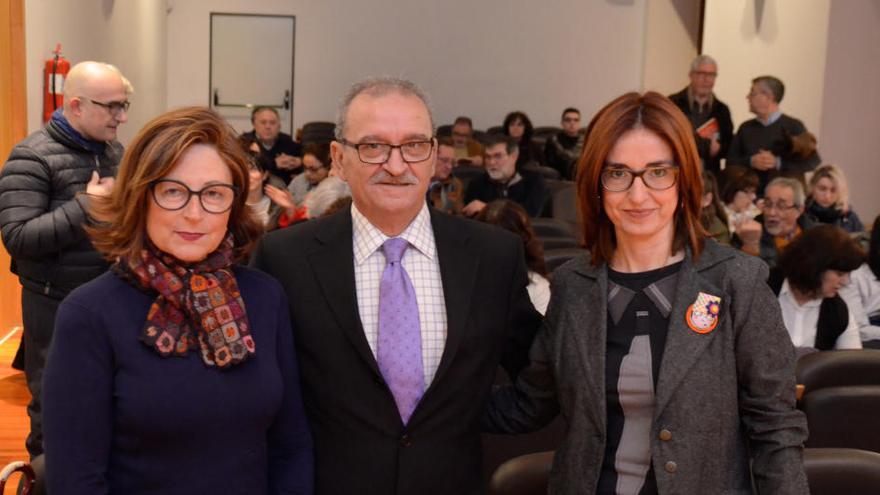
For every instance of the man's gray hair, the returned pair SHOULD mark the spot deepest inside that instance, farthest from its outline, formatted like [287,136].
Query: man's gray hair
[795,185]
[702,59]
[376,87]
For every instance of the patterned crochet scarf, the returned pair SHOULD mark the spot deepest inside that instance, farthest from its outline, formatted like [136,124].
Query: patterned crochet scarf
[198,306]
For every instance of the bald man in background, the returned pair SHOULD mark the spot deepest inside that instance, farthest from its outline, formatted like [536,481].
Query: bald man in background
[42,215]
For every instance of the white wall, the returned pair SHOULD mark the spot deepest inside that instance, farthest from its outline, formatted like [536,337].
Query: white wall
[671,32]
[482,58]
[850,122]
[785,38]
[129,34]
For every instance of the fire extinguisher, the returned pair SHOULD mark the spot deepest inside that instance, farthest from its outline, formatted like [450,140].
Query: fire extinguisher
[54,73]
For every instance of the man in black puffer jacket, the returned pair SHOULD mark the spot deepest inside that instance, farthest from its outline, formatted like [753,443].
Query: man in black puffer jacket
[44,190]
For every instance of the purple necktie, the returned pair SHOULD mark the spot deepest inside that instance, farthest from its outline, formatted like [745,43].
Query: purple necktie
[399,351]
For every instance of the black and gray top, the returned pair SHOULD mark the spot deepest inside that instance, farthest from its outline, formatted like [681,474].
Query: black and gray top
[638,318]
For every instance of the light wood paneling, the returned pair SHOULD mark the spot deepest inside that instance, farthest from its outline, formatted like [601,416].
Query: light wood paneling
[13,127]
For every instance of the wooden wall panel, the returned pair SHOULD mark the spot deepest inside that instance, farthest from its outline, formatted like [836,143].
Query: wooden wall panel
[13,127]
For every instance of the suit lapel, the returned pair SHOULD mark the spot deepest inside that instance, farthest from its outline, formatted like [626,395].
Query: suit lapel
[333,265]
[683,345]
[458,271]
[588,315]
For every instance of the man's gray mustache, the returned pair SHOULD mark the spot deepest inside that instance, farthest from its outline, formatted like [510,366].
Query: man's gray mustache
[384,177]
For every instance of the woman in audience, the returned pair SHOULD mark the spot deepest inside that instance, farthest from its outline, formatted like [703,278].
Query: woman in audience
[713,217]
[175,372]
[518,126]
[738,193]
[862,295]
[812,269]
[512,217]
[664,351]
[316,167]
[828,200]
[267,194]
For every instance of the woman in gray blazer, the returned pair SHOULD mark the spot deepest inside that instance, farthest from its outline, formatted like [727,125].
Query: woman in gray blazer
[665,352]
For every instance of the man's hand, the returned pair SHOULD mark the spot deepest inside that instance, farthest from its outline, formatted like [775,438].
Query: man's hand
[749,232]
[99,186]
[763,160]
[287,162]
[714,147]
[473,208]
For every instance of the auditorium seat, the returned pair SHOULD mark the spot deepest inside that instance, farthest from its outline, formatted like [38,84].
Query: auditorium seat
[551,227]
[842,471]
[549,243]
[318,132]
[843,417]
[838,368]
[554,258]
[524,475]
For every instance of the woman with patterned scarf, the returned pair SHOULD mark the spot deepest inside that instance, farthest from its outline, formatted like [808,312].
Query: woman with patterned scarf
[175,372]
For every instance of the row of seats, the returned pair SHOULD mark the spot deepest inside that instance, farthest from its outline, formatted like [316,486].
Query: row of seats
[829,472]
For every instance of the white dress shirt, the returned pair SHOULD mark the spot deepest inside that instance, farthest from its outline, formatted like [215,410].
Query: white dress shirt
[539,291]
[862,295]
[801,320]
[421,263]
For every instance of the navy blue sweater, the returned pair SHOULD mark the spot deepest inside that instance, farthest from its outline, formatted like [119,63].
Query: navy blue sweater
[121,419]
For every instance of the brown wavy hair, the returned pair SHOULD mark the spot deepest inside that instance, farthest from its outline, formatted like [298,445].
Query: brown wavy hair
[656,113]
[121,218]
[512,217]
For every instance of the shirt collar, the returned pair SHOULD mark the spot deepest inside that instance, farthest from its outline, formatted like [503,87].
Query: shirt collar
[771,119]
[785,291]
[694,104]
[368,238]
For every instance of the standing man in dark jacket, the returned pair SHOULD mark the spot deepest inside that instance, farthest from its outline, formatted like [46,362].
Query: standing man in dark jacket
[43,210]
[710,117]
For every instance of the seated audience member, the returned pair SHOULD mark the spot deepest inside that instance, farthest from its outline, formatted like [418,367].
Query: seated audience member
[709,116]
[267,195]
[862,295]
[446,193]
[284,153]
[738,194]
[330,192]
[512,217]
[468,151]
[829,200]
[712,216]
[175,372]
[562,150]
[502,180]
[811,272]
[518,126]
[316,167]
[781,222]
[772,143]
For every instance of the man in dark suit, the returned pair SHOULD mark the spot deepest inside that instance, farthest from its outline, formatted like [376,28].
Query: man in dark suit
[709,116]
[398,351]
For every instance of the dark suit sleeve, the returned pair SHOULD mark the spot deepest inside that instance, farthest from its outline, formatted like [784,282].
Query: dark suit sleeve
[522,319]
[725,124]
[765,362]
[736,155]
[535,193]
[530,402]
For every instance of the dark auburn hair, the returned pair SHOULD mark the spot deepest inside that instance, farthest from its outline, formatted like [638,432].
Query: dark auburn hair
[874,248]
[656,113]
[122,216]
[818,249]
[715,208]
[518,115]
[321,151]
[512,217]
[734,179]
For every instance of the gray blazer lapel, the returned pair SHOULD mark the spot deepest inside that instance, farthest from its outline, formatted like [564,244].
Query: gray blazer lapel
[683,345]
[587,318]
[333,265]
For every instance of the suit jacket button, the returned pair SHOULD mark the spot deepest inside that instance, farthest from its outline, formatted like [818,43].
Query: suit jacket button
[671,467]
[665,435]
[405,441]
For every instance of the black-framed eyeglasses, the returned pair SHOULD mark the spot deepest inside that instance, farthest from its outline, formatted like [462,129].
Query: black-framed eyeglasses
[617,179]
[173,195]
[378,153]
[780,206]
[114,107]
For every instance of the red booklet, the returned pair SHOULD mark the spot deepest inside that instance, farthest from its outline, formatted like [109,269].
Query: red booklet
[709,129]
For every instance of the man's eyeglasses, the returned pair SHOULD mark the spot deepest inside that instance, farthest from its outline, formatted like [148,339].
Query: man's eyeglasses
[702,73]
[114,107]
[173,195]
[621,179]
[378,153]
[780,206]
